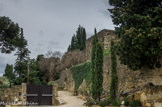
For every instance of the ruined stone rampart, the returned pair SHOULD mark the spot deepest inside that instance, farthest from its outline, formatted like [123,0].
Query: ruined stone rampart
[129,82]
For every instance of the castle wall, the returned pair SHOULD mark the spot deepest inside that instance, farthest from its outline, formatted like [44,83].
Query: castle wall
[129,82]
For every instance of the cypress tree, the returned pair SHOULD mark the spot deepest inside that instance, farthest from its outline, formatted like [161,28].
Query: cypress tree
[73,46]
[21,61]
[83,45]
[79,41]
[114,78]
[69,48]
[97,71]
[79,37]
[9,72]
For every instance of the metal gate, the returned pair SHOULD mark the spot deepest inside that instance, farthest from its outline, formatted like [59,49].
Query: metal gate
[39,95]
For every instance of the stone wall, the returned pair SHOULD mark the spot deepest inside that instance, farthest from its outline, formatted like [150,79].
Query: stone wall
[17,95]
[14,94]
[66,81]
[129,82]
[77,57]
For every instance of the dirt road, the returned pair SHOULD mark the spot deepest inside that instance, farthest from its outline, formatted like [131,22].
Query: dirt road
[69,99]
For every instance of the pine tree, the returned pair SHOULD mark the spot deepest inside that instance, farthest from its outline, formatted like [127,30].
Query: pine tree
[21,61]
[9,35]
[97,70]
[139,28]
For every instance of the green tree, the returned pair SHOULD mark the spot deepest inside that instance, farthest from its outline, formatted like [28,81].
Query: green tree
[83,45]
[114,78]
[9,35]
[74,43]
[22,60]
[78,41]
[35,76]
[9,72]
[97,70]
[139,28]
[94,42]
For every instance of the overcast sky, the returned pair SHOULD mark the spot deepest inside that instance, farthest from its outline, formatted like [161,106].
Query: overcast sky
[49,24]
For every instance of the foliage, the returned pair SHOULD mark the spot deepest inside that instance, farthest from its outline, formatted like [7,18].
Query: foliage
[35,76]
[89,103]
[22,54]
[78,41]
[126,102]
[106,52]
[9,35]
[94,42]
[104,103]
[9,72]
[52,83]
[81,72]
[114,78]
[84,91]
[135,103]
[115,103]
[4,81]
[139,28]
[97,70]
[132,102]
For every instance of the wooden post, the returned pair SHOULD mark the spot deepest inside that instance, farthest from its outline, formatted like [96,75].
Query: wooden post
[28,72]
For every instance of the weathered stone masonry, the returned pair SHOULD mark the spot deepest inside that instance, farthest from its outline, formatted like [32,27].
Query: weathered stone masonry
[129,82]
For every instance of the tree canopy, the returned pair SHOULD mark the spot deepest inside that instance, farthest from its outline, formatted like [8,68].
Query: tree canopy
[139,26]
[78,41]
[9,35]
[9,72]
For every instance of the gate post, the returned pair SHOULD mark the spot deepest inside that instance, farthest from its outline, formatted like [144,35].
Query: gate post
[23,94]
[55,94]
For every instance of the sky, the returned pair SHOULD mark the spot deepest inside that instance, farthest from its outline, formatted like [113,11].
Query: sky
[49,24]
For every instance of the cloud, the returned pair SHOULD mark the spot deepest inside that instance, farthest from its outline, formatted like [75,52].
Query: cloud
[50,24]
[1,8]
[6,59]
[41,33]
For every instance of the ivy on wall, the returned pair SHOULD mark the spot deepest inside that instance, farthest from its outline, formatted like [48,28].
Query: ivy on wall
[81,72]
[106,52]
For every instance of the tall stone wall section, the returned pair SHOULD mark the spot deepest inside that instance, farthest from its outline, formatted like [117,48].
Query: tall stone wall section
[129,82]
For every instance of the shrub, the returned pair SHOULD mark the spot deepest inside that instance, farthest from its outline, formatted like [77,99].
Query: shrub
[89,103]
[84,91]
[135,103]
[126,102]
[107,52]
[104,103]
[115,103]
[52,83]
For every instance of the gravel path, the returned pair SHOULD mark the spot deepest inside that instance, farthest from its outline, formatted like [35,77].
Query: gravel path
[69,99]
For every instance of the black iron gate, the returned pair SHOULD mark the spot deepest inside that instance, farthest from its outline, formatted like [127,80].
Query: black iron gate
[39,95]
